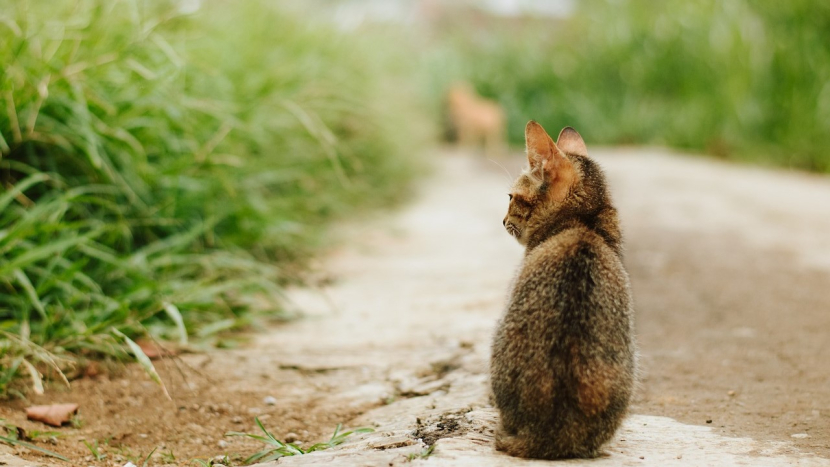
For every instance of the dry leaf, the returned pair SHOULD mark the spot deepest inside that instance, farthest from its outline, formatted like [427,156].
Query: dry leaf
[55,414]
[154,350]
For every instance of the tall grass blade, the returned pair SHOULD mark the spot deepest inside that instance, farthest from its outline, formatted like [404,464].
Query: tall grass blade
[33,447]
[144,361]
[37,381]
[176,316]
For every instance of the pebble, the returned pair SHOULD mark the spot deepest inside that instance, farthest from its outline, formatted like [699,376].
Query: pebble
[731,393]
[291,437]
[237,419]
[709,420]
[223,444]
[800,435]
[269,400]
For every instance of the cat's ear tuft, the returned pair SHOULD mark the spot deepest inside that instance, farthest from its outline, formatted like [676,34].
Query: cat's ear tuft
[540,147]
[571,142]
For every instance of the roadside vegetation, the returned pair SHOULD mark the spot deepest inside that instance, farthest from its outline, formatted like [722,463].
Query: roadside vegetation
[166,166]
[164,169]
[745,80]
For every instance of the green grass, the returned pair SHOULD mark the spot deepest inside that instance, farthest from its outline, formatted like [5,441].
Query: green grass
[16,436]
[741,79]
[276,449]
[165,171]
[94,450]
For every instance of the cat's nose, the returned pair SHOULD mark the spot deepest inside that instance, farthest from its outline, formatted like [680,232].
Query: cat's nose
[504,222]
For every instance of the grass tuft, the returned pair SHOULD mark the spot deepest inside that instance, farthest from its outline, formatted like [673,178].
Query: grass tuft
[13,435]
[276,449]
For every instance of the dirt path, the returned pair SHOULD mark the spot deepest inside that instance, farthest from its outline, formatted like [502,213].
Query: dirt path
[730,268]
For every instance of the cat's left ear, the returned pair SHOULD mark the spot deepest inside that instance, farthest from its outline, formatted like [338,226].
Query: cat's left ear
[571,142]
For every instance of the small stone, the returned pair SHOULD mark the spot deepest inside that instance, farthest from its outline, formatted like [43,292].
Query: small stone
[709,420]
[730,393]
[142,435]
[269,400]
[222,444]
[680,456]
[237,419]
[800,435]
[291,437]
[642,457]
[217,460]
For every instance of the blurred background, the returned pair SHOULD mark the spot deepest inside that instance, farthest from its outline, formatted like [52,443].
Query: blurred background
[169,166]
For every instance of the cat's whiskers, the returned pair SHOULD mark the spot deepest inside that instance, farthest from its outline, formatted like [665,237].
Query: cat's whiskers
[509,177]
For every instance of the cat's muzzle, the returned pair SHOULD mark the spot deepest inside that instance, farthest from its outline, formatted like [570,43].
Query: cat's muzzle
[512,229]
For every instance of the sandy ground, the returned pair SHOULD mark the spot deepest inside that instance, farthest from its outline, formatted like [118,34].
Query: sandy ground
[730,268]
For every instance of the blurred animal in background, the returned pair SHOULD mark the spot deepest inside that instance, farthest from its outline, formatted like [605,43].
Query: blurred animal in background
[476,121]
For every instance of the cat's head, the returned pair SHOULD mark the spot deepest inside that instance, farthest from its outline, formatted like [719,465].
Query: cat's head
[560,182]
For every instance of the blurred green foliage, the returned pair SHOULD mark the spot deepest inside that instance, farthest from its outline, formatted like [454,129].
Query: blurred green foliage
[161,168]
[743,79]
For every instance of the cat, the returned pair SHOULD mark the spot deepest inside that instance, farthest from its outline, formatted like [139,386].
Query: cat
[476,120]
[564,357]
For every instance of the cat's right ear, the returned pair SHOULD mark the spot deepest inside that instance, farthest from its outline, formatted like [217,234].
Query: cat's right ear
[540,147]
[548,161]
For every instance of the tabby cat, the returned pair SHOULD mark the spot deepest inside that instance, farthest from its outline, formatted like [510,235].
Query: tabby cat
[564,357]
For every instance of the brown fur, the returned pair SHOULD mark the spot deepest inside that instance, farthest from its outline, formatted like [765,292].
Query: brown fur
[564,357]
[476,120]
